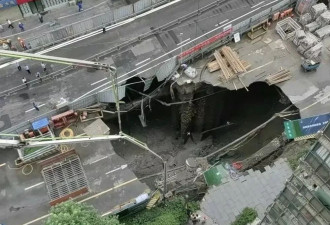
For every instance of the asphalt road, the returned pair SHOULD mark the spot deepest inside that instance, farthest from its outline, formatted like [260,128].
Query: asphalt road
[129,61]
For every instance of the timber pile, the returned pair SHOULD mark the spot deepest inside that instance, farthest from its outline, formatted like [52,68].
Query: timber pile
[228,61]
[278,77]
[226,71]
[214,66]
[233,60]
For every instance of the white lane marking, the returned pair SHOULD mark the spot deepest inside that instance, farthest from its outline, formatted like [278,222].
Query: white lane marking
[119,168]
[221,22]
[158,8]
[101,159]
[269,3]
[3,164]
[39,106]
[34,186]
[183,41]
[257,4]
[98,81]
[142,61]
[94,33]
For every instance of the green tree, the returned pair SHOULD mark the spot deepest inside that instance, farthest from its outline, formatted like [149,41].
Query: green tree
[73,213]
[172,213]
[248,215]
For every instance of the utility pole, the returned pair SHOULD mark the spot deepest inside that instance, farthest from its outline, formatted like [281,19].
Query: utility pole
[113,77]
[181,34]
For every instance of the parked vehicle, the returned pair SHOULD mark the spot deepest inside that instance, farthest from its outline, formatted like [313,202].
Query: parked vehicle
[310,65]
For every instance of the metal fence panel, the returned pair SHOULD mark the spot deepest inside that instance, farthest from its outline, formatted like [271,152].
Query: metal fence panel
[94,23]
[155,2]
[123,12]
[142,5]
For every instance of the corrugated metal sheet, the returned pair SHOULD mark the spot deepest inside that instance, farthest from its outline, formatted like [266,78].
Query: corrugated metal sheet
[147,84]
[107,95]
[166,69]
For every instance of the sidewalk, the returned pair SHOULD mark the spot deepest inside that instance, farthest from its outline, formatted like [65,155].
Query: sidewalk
[64,16]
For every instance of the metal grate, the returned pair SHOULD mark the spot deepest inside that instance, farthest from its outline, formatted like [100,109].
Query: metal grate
[64,178]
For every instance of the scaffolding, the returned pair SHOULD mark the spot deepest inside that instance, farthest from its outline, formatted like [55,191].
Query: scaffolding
[287,28]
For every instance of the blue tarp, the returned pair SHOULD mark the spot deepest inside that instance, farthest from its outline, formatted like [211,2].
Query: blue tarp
[7,3]
[40,124]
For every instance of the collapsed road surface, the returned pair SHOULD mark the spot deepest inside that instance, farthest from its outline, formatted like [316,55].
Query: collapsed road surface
[135,59]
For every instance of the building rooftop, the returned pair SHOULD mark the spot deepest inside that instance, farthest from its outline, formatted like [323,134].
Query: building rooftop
[305,199]
[256,190]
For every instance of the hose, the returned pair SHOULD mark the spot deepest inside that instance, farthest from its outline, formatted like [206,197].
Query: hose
[24,167]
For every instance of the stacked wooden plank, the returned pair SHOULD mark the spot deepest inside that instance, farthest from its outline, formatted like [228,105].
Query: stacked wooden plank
[233,60]
[278,77]
[228,61]
[226,71]
[214,66]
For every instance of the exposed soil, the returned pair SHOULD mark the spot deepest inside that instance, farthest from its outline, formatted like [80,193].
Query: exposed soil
[246,110]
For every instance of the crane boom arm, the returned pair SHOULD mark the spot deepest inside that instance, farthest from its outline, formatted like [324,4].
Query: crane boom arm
[55,59]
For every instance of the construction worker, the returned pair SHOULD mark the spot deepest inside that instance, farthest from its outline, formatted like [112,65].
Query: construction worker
[38,76]
[9,43]
[43,66]
[27,69]
[10,24]
[80,6]
[21,26]
[22,43]
[35,106]
[18,66]
[24,81]
[41,18]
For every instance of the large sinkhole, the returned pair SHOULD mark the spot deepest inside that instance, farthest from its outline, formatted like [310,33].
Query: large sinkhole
[196,120]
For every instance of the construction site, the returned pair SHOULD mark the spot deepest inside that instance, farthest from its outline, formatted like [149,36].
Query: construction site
[237,120]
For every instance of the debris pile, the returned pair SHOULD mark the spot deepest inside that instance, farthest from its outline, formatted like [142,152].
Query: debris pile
[314,51]
[229,62]
[305,19]
[278,77]
[324,18]
[320,20]
[318,9]
[313,26]
[323,32]
[305,41]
